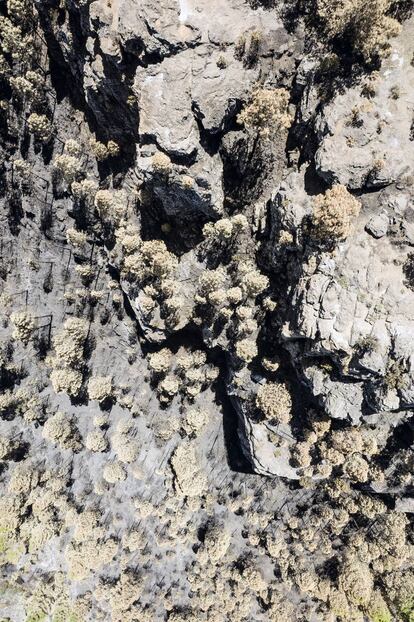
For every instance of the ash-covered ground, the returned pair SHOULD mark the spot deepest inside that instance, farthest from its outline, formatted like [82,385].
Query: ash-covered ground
[206,310]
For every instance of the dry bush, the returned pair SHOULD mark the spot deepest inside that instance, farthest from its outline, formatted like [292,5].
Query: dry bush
[68,358]
[356,468]
[60,429]
[246,350]
[274,401]
[100,388]
[161,163]
[216,542]
[333,214]
[84,557]
[114,472]
[40,126]
[72,147]
[68,166]
[69,342]
[196,420]
[152,262]
[159,362]
[18,9]
[76,238]
[102,151]
[126,448]
[85,189]
[367,24]
[24,324]
[267,113]
[355,580]
[23,169]
[96,441]
[168,388]
[225,229]
[66,381]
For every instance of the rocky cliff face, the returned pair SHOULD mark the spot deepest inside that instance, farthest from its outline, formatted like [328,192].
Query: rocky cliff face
[207,310]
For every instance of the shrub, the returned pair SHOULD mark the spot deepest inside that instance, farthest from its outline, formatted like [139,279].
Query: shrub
[125,448]
[196,420]
[103,203]
[367,24]
[66,381]
[72,147]
[86,273]
[267,113]
[83,557]
[24,478]
[254,283]
[114,472]
[113,148]
[217,298]
[7,447]
[356,468]
[120,595]
[161,163]
[100,388]
[60,430]
[152,262]
[96,441]
[234,295]
[226,228]
[85,189]
[333,214]
[160,362]
[14,42]
[222,229]
[378,610]
[24,325]
[70,341]
[99,150]
[168,388]
[40,126]
[102,151]
[22,87]
[76,238]
[240,223]
[216,542]
[130,239]
[134,540]
[301,454]
[36,78]
[244,313]
[68,166]
[407,611]
[211,280]
[355,580]
[18,10]
[246,350]
[22,168]
[253,50]
[23,401]
[248,327]
[347,441]
[274,401]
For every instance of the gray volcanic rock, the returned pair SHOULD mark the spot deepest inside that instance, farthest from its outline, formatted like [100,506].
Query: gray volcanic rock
[378,225]
[359,293]
[163,93]
[364,134]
